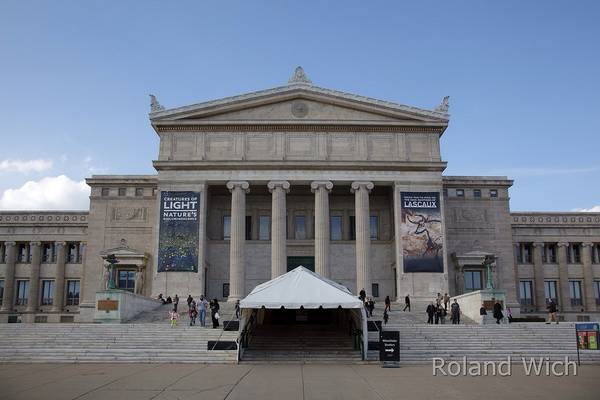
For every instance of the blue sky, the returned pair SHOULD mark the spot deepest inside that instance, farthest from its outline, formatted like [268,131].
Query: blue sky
[523,80]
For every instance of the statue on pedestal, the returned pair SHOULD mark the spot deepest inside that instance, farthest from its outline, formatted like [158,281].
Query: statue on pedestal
[488,264]
[109,276]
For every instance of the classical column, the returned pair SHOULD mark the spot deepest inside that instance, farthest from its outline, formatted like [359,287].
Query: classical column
[361,192]
[321,190]
[278,190]
[538,273]
[59,280]
[563,278]
[237,243]
[9,276]
[34,277]
[588,277]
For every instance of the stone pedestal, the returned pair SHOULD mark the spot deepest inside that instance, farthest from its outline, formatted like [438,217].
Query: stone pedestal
[117,306]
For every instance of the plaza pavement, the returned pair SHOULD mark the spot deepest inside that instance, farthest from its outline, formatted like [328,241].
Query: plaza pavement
[288,382]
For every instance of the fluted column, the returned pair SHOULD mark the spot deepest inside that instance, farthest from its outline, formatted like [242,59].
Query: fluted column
[278,189]
[9,276]
[321,190]
[361,192]
[59,282]
[237,243]
[563,277]
[538,273]
[34,277]
[588,277]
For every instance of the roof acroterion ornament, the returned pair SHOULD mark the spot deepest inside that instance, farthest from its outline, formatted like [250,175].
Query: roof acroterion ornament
[155,106]
[443,107]
[299,77]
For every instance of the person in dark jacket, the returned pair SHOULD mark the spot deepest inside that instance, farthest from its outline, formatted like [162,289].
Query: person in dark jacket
[407,301]
[214,313]
[386,317]
[175,302]
[552,309]
[430,313]
[388,304]
[455,313]
[482,310]
[189,301]
[498,312]
[362,295]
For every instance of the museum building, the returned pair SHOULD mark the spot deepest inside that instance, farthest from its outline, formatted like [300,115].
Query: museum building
[251,186]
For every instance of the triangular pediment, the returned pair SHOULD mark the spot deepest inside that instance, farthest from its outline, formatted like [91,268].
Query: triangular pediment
[298,104]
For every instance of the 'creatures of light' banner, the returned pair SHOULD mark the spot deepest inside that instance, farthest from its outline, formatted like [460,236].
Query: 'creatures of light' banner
[421,230]
[178,232]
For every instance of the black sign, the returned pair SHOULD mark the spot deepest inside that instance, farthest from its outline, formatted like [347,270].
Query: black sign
[389,346]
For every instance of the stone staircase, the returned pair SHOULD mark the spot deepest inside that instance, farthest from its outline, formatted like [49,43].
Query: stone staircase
[161,314]
[84,343]
[300,344]
[419,343]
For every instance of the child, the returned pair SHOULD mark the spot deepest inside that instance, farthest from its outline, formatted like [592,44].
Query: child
[173,316]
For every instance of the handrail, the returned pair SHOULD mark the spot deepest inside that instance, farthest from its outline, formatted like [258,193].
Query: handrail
[223,331]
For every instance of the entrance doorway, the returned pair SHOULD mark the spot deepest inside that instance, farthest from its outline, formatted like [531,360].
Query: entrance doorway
[306,262]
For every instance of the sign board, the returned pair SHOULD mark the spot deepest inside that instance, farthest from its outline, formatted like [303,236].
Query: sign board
[489,304]
[421,230]
[108,305]
[587,336]
[178,236]
[389,346]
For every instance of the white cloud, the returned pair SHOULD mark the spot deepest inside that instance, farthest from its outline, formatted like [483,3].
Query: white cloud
[49,193]
[593,209]
[25,166]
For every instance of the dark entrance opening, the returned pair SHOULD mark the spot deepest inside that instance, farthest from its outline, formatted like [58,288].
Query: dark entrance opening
[306,262]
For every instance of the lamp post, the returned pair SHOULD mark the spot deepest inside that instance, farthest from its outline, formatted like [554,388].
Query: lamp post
[487,263]
[111,260]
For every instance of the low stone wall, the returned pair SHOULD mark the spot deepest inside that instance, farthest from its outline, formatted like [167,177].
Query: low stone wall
[116,306]
[471,302]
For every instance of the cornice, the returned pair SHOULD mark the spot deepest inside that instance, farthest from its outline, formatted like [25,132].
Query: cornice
[298,127]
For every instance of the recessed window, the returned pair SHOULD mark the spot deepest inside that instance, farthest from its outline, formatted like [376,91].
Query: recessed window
[550,291]
[300,227]
[126,280]
[525,293]
[122,191]
[375,289]
[1,291]
[574,253]
[139,192]
[493,193]
[48,253]
[473,280]
[226,290]
[477,193]
[374,227]
[575,292]
[226,227]
[352,227]
[264,227]
[73,287]
[460,192]
[335,227]
[248,227]
[2,253]
[105,192]
[47,293]
[549,254]
[22,293]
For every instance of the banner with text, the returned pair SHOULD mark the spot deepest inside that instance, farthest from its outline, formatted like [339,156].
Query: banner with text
[178,232]
[421,231]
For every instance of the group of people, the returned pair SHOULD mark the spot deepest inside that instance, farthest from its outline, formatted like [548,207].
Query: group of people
[497,312]
[197,310]
[437,310]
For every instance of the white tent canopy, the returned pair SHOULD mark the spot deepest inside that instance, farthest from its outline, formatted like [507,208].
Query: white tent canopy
[300,288]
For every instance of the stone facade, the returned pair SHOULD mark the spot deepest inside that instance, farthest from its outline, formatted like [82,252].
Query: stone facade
[294,174]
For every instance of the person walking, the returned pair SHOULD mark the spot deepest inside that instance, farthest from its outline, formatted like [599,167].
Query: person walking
[362,295]
[386,317]
[371,306]
[175,302]
[214,313]
[438,299]
[192,312]
[482,310]
[202,305]
[407,303]
[455,313]
[498,312]
[446,301]
[436,314]
[509,315]
[552,310]
[388,304]
[173,317]
[430,312]
[189,301]
[237,309]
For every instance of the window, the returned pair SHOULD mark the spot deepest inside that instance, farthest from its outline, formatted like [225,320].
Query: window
[105,192]
[375,289]
[22,292]
[525,293]
[549,254]
[300,227]
[518,254]
[595,254]
[574,253]
[226,227]
[226,290]
[352,227]
[48,253]
[122,191]
[23,253]
[477,193]
[139,192]
[72,293]
[47,293]
[336,227]
[596,291]
[527,253]
[493,193]
[550,291]
[473,280]
[575,291]
[374,227]
[460,192]
[248,227]
[264,227]
[73,253]
[2,253]
[1,291]
[126,280]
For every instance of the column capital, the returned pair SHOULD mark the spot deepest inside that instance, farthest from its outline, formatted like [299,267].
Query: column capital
[587,244]
[562,244]
[36,243]
[285,185]
[12,244]
[245,186]
[357,185]
[315,185]
[538,244]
